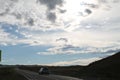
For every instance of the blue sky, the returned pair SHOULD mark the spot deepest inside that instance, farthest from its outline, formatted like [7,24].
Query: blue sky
[58,32]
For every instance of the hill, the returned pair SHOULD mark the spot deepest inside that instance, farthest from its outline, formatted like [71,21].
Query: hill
[106,68]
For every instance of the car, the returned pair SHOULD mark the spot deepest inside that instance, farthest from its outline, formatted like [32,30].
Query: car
[44,71]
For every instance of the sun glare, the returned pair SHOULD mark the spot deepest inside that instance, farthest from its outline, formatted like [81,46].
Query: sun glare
[78,5]
[73,6]
[76,10]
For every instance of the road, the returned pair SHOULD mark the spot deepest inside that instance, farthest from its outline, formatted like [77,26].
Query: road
[35,76]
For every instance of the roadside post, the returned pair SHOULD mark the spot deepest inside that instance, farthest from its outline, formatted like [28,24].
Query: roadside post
[0,55]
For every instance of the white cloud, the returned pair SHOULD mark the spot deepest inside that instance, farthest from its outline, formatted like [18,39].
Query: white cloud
[31,15]
[97,27]
[6,38]
[80,50]
[75,62]
[77,43]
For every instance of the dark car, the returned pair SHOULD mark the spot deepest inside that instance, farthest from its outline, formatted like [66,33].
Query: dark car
[43,71]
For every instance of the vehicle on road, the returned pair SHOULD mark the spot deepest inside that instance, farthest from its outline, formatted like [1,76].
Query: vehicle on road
[44,71]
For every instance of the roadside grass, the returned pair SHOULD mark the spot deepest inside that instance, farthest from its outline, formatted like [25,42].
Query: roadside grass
[9,73]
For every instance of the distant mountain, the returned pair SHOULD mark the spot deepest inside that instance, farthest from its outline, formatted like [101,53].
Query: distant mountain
[108,68]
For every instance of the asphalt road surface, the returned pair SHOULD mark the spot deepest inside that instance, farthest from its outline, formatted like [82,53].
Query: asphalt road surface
[35,76]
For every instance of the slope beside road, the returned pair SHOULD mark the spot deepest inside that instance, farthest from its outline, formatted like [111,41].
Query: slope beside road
[35,76]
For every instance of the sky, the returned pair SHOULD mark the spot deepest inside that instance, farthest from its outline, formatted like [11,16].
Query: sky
[58,32]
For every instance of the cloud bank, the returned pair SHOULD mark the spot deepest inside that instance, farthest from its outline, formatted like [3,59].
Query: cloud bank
[83,27]
[83,62]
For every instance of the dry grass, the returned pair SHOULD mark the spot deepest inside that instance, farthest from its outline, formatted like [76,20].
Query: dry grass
[9,73]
